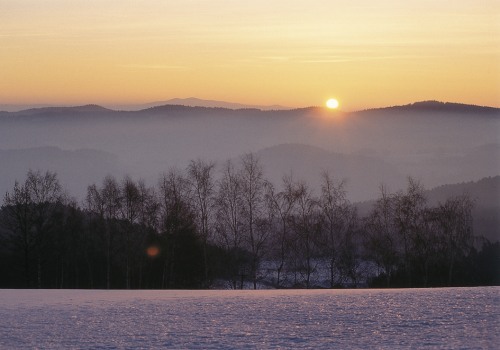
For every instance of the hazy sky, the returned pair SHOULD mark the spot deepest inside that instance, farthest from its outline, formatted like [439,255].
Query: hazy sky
[297,53]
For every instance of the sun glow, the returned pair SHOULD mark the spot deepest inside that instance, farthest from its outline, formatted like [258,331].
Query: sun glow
[332,103]
[71,53]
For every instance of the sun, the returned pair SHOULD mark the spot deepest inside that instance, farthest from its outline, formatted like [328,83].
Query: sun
[332,103]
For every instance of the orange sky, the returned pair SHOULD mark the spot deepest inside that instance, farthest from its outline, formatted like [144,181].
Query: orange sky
[293,53]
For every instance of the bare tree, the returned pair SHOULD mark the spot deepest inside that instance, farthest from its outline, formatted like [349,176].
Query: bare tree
[281,206]
[229,225]
[129,214]
[426,244]
[340,221]
[382,240]
[19,220]
[148,206]
[455,220]
[253,187]
[307,228]
[149,209]
[409,209]
[30,209]
[105,202]
[177,223]
[202,188]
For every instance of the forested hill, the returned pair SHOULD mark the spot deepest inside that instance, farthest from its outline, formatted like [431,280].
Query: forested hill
[440,147]
[486,196]
[486,192]
[57,112]
[179,109]
[440,107]
[98,112]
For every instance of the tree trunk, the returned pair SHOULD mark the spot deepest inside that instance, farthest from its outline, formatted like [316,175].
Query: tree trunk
[108,257]
[332,272]
[39,272]
[27,270]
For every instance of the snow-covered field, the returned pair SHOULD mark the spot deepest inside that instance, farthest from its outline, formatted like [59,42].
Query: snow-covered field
[305,319]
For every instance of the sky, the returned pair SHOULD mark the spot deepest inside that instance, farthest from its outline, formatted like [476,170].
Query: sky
[294,53]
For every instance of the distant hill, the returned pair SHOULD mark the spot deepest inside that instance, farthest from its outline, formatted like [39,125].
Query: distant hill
[17,108]
[486,196]
[85,109]
[59,113]
[486,192]
[436,106]
[435,142]
[76,169]
[193,106]
[163,111]
[363,174]
[197,102]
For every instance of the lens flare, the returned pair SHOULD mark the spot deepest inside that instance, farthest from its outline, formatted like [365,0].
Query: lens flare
[152,251]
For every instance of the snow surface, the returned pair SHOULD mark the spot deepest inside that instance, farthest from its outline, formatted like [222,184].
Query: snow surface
[265,319]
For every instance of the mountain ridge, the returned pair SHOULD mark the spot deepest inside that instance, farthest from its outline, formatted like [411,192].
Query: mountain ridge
[420,106]
[436,106]
[434,147]
[198,102]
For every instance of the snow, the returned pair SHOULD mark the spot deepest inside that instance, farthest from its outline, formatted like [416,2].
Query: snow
[263,319]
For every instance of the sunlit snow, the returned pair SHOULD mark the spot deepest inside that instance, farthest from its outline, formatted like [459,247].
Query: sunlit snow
[305,319]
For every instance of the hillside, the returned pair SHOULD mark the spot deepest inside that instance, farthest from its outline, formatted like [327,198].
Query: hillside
[77,169]
[197,102]
[437,106]
[194,105]
[307,163]
[486,196]
[438,143]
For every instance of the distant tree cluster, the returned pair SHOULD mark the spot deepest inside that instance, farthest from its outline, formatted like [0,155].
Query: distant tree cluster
[234,229]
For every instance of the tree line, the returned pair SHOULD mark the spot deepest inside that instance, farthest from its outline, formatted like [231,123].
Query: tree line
[200,227]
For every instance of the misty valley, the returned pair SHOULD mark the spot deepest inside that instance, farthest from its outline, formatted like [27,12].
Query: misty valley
[433,142]
[249,174]
[195,197]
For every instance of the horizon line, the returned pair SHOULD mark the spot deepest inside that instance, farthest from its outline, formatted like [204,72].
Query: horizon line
[136,107]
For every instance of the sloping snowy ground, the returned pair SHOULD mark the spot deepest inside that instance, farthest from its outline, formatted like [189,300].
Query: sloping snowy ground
[303,319]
